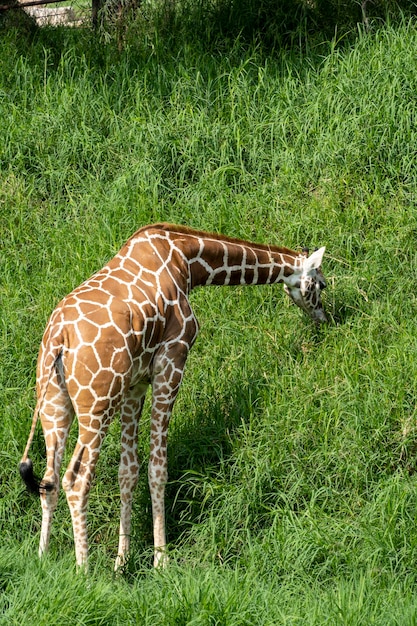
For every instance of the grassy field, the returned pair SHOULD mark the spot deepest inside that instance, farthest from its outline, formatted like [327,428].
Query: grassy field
[292,451]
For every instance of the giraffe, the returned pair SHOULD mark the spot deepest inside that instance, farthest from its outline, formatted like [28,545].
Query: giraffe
[128,327]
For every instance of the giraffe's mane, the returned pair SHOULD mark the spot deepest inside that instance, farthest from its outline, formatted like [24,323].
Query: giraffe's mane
[187,230]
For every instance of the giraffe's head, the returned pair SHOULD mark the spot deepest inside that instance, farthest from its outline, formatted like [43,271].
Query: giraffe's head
[305,285]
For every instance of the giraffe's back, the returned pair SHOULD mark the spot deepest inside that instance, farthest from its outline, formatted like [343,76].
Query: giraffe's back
[111,326]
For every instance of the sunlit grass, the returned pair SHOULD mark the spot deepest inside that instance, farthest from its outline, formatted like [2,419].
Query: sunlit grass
[292,449]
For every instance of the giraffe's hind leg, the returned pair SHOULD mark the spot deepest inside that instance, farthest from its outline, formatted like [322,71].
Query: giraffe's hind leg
[56,418]
[129,465]
[97,392]
[80,472]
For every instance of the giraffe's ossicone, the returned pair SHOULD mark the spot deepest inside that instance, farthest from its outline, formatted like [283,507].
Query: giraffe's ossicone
[127,327]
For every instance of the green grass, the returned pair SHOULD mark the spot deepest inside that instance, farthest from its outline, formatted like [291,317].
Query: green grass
[292,450]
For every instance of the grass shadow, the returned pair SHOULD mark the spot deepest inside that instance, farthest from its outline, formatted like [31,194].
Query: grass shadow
[201,450]
[164,29]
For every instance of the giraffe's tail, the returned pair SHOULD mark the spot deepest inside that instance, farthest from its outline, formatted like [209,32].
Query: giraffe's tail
[32,482]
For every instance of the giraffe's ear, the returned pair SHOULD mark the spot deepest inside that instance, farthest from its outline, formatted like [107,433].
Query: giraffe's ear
[314,260]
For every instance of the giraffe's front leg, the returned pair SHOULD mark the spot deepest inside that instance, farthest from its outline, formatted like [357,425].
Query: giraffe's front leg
[129,466]
[166,384]
[158,476]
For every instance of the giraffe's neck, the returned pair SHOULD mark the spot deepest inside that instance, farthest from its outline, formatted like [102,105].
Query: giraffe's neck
[219,260]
